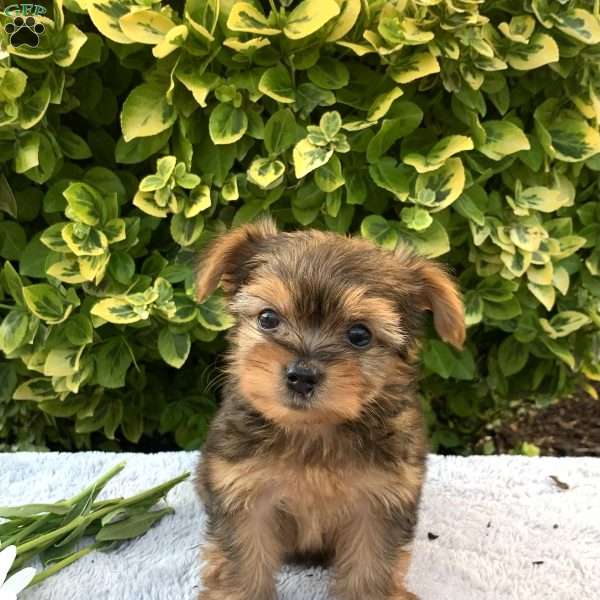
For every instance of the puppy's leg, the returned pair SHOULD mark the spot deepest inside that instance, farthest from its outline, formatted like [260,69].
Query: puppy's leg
[371,555]
[243,557]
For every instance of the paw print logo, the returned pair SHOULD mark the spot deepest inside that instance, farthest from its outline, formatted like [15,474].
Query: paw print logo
[24,32]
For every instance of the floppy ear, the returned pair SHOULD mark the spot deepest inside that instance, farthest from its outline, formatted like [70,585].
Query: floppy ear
[229,258]
[441,296]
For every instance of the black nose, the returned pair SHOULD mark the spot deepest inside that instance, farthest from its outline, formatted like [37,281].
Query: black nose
[302,378]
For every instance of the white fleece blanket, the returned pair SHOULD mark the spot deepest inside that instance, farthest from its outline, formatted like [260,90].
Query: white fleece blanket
[491,528]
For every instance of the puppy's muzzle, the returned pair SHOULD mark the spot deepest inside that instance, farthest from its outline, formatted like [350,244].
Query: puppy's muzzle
[302,378]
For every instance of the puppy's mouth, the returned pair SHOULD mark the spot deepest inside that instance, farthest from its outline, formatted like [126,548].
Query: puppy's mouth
[302,381]
[298,401]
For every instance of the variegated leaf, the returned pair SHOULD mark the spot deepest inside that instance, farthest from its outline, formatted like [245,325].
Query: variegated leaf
[438,189]
[265,173]
[308,157]
[308,17]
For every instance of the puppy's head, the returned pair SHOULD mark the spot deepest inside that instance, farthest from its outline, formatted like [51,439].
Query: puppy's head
[324,323]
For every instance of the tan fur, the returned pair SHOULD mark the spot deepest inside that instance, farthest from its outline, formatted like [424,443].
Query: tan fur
[337,473]
[443,299]
[223,257]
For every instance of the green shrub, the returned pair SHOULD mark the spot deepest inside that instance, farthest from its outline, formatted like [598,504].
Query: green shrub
[134,131]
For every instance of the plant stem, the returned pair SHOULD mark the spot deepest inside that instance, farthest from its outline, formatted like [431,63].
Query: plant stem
[25,531]
[56,567]
[155,491]
[49,537]
[99,483]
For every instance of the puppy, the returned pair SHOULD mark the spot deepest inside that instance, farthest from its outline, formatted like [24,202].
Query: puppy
[319,446]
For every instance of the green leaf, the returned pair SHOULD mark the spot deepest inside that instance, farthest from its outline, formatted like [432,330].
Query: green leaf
[528,449]
[83,203]
[329,177]
[34,107]
[564,323]
[71,42]
[79,330]
[544,293]
[66,270]
[416,218]
[439,154]
[431,242]
[117,310]
[389,175]
[47,303]
[280,131]
[12,283]
[378,230]
[14,330]
[393,129]
[227,124]
[185,231]
[541,50]
[37,390]
[113,359]
[560,350]
[146,26]
[213,314]
[382,104]
[121,267]
[200,84]
[73,145]
[502,311]
[440,188]
[14,83]
[308,17]
[33,259]
[502,138]
[146,112]
[580,25]
[308,157]
[307,203]
[12,240]
[565,134]
[438,358]
[138,150]
[105,15]
[133,526]
[247,18]
[84,240]
[414,66]
[8,203]
[541,198]
[473,308]
[27,152]
[276,83]
[265,173]
[199,201]
[174,348]
[329,74]
[62,362]
[512,356]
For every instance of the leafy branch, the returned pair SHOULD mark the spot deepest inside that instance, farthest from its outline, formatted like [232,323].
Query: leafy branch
[53,533]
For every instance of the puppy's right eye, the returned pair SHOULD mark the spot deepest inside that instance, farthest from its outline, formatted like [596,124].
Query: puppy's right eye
[268,319]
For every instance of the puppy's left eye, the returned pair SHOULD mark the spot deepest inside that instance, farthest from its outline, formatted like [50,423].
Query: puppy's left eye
[268,319]
[359,336]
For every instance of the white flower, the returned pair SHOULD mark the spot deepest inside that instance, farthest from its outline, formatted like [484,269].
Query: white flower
[15,583]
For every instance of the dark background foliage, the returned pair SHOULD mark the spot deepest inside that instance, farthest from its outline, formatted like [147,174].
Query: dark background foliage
[135,131]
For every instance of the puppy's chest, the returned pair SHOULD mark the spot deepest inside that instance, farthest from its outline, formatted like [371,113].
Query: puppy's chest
[301,489]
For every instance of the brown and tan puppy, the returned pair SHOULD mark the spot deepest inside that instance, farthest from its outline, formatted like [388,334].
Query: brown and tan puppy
[319,446]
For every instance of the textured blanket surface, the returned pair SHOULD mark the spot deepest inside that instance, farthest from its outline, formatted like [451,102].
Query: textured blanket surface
[490,528]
